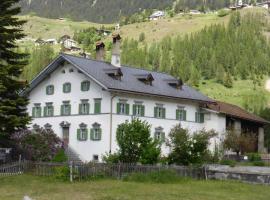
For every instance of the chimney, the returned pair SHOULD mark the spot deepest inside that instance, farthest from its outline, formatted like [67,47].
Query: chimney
[100,51]
[116,50]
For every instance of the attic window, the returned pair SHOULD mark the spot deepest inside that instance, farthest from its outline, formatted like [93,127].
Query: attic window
[175,83]
[71,70]
[114,73]
[145,78]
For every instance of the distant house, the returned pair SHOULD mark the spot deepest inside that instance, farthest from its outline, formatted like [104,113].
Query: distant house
[117,27]
[157,15]
[195,12]
[5,155]
[71,45]
[103,32]
[63,38]
[39,41]
[51,41]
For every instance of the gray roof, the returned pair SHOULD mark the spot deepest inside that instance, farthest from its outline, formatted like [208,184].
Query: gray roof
[129,83]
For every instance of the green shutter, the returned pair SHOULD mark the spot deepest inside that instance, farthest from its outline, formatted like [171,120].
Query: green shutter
[86,137]
[91,134]
[47,90]
[39,111]
[185,115]
[201,117]
[52,111]
[163,137]
[88,109]
[97,107]
[127,109]
[118,108]
[80,109]
[69,109]
[45,111]
[78,134]
[177,114]
[143,111]
[134,109]
[33,112]
[99,134]
[164,113]
[62,109]
[155,112]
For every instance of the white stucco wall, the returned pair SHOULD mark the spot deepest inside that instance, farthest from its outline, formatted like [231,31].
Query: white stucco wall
[86,149]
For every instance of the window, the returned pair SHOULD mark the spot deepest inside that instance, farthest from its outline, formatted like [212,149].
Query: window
[36,111]
[181,114]
[96,132]
[160,134]
[97,109]
[66,108]
[84,107]
[82,132]
[48,110]
[67,87]
[138,110]
[95,158]
[199,117]
[160,112]
[85,86]
[50,90]
[123,108]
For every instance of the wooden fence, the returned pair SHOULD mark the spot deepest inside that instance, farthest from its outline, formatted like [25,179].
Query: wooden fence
[78,171]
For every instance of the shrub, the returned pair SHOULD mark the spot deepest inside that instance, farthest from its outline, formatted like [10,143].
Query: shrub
[258,163]
[135,143]
[187,149]
[254,157]
[223,13]
[62,173]
[141,37]
[38,144]
[60,156]
[111,158]
[164,176]
[231,163]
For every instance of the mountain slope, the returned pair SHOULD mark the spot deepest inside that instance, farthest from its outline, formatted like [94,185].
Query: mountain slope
[104,11]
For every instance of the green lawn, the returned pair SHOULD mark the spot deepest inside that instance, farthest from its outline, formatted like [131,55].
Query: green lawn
[234,95]
[40,188]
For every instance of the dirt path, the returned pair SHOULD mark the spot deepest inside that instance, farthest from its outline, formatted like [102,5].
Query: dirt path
[267,85]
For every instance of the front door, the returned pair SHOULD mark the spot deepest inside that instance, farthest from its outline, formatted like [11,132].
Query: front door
[66,135]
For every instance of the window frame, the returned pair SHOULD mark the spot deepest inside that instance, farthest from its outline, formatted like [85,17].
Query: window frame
[199,117]
[86,104]
[65,86]
[35,109]
[65,103]
[47,108]
[181,114]
[87,86]
[48,91]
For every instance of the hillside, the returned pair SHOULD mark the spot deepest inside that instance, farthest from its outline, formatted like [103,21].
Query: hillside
[104,11]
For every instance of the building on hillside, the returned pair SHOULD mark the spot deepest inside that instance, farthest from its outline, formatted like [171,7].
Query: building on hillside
[70,45]
[64,38]
[195,12]
[157,15]
[51,41]
[84,100]
[39,42]
[241,121]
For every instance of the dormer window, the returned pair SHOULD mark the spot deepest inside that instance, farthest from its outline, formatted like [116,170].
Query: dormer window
[114,73]
[145,78]
[175,83]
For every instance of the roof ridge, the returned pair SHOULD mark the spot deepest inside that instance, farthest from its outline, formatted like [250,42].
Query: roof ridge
[126,66]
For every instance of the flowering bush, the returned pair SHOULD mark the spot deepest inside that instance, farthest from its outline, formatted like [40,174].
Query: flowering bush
[38,144]
[186,148]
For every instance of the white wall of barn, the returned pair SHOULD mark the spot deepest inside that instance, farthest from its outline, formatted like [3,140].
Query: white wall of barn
[86,149]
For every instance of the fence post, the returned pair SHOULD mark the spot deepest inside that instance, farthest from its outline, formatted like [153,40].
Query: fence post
[71,171]
[119,170]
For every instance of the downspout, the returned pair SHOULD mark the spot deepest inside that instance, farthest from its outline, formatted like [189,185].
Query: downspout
[111,115]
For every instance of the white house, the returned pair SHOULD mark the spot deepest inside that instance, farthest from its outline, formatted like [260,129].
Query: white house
[157,15]
[84,101]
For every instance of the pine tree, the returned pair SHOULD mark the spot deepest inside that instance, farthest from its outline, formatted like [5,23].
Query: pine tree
[13,115]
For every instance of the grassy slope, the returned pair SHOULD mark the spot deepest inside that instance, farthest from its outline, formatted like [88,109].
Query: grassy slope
[156,30]
[53,28]
[235,95]
[43,188]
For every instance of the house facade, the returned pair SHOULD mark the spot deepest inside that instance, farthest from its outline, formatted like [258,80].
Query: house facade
[84,101]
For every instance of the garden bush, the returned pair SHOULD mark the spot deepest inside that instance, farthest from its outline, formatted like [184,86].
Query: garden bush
[60,156]
[164,176]
[231,163]
[254,157]
[62,173]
